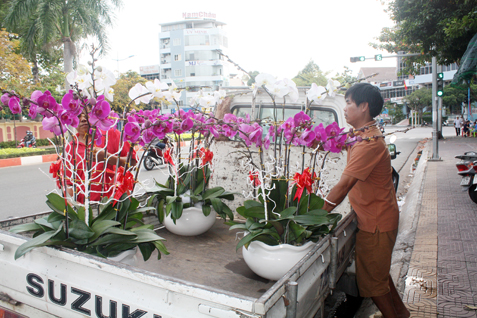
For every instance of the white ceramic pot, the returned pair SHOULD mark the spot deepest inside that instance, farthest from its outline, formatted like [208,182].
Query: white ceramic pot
[191,223]
[273,262]
[127,257]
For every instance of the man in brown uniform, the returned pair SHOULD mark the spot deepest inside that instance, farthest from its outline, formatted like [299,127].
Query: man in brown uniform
[367,180]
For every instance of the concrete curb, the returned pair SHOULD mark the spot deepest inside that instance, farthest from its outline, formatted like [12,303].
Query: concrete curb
[22,161]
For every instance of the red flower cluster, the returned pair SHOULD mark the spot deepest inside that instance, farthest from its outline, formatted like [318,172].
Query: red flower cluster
[56,169]
[253,176]
[124,183]
[206,156]
[303,181]
[167,156]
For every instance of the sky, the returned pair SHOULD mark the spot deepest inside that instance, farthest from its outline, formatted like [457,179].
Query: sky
[275,37]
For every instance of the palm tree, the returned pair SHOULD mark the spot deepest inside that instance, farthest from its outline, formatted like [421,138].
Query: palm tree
[49,22]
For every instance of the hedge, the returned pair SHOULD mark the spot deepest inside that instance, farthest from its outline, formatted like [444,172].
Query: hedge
[10,153]
[39,143]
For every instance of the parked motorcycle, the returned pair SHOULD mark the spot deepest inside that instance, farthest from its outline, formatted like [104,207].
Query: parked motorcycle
[466,170]
[154,157]
[28,139]
[393,151]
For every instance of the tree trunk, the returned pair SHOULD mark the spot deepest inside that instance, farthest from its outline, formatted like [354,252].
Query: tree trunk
[34,70]
[68,53]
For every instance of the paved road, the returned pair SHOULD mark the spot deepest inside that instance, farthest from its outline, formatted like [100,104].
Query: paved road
[23,188]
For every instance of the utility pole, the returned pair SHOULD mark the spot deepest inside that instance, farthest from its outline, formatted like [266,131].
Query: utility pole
[435,141]
[439,108]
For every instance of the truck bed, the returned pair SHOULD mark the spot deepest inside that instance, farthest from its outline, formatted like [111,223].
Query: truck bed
[202,277]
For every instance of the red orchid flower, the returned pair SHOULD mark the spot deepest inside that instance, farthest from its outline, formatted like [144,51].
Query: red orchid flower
[167,156]
[56,169]
[303,181]
[253,176]
[206,156]
[124,183]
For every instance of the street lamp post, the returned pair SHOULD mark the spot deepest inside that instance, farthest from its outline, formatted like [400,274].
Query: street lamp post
[119,60]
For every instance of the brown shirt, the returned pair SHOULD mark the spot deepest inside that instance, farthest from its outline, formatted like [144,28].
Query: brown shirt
[373,196]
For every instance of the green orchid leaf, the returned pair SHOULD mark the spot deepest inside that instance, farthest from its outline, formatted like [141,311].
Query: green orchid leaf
[213,193]
[319,212]
[38,241]
[253,212]
[171,199]
[43,222]
[150,200]
[310,219]
[237,226]
[57,202]
[217,204]
[99,227]
[199,188]
[146,250]
[227,211]
[25,228]
[288,212]
[227,196]
[161,248]
[160,211]
[206,209]
[316,202]
[143,209]
[111,238]
[108,213]
[279,188]
[134,204]
[176,210]
[146,235]
[55,217]
[79,230]
[251,203]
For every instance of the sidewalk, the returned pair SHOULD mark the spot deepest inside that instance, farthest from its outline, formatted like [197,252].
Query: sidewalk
[441,278]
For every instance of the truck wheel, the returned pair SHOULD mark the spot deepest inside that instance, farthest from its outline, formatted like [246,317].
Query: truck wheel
[473,193]
[149,163]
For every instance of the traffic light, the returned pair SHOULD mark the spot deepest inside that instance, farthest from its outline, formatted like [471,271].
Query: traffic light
[355,59]
[440,84]
[378,57]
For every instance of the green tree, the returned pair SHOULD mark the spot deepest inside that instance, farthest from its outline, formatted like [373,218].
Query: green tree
[419,99]
[440,28]
[15,72]
[251,79]
[311,73]
[346,77]
[49,22]
[121,91]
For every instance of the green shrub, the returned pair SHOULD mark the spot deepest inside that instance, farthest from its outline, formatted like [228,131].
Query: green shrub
[24,152]
[39,143]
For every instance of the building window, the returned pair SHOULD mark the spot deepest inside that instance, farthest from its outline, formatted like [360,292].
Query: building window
[177,57]
[176,41]
[177,72]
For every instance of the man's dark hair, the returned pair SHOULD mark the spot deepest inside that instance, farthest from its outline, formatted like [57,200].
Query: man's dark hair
[366,93]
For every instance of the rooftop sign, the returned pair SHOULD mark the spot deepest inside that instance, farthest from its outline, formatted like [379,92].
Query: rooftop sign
[198,15]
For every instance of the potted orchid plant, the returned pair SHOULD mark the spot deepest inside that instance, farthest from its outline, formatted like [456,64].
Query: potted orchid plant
[187,188]
[286,188]
[95,210]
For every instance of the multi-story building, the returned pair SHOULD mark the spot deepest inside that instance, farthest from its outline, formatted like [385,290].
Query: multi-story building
[150,72]
[189,54]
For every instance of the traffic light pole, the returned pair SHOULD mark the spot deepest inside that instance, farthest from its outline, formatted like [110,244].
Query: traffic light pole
[435,141]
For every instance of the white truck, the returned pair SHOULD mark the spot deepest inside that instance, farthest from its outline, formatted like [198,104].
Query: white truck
[204,276]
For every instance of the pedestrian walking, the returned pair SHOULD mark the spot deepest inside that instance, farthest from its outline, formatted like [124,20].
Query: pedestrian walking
[457,126]
[367,180]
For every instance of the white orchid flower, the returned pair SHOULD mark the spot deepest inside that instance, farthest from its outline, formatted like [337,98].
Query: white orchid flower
[292,90]
[82,70]
[103,78]
[84,81]
[157,88]
[207,101]
[332,87]
[196,98]
[316,93]
[220,94]
[279,89]
[109,93]
[266,80]
[139,90]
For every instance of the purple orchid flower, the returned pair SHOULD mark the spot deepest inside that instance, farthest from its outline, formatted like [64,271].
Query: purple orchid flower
[132,130]
[320,133]
[307,137]
[333,129]
[52,124]
[14,105]
[48,102]
[5,99]
[35,95]
[71,104]
[301,119]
